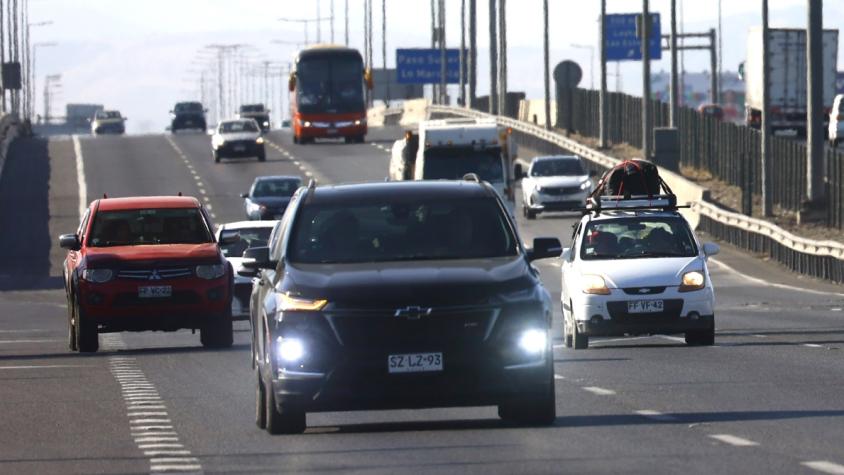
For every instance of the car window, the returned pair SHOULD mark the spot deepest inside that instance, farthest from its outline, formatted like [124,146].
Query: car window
[637,237]
[249,237]
[453,164]
[391,230]
[188,107]
[149,226]
[83,225]
[562,167]
[275,188]
[238,126]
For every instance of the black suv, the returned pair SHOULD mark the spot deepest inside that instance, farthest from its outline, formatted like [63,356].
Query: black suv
[400,295]
[188,115]
[257,112]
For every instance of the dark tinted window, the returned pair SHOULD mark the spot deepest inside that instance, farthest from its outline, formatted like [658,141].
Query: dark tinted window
[252,108]
[188,107]
[391,230]
[280,187]
[560,167]
[330,85]
[149,226]
[631,238]
[249,237]
[238,126]
[454,163]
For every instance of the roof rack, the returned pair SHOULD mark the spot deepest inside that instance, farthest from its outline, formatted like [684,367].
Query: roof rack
[473,177]
[665,202]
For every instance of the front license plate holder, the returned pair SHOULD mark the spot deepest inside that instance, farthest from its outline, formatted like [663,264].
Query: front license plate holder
[645,306]
[155,292]
[415,363]
[239,148]
[331,131]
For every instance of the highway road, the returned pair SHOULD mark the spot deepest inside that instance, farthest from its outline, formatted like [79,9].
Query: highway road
[767,398]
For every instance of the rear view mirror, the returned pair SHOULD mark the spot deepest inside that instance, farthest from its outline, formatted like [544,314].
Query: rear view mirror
[229,237]
[544,248]
[710,249]
[518,172]
[367,78]
[70,242]
[291,82]
[244,195]
[566,255]
[256,258]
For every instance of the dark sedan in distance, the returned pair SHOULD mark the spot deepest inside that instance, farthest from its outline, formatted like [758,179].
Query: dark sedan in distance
[269,195]
[400,295]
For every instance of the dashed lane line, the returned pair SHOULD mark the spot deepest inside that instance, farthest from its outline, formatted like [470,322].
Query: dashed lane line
[824,466]
[599,391]
[766,283]
[655,415]
[733,440]
[82,185]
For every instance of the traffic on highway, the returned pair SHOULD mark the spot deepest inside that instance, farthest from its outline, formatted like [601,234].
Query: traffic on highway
[346,284]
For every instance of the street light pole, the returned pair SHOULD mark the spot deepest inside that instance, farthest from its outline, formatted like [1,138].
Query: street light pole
[646,80]
[603,141]
[546,60]
[493,59]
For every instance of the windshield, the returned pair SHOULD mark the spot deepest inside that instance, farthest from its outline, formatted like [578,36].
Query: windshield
[557,167]
[238,126]
[149,226]
[108,115]
[188,107]
[252,108]
[394,231]
[330,85]
[637,237]
[454,163]
[280,188]
[249,237]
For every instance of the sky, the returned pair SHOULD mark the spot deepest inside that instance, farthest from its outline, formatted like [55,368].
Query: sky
[140,56]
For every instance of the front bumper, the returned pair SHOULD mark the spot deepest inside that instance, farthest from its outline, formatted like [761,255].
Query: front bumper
[537,201]
[240,149]
[109,129]
[332,131]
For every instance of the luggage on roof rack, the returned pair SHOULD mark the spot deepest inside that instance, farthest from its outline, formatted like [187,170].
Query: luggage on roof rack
[631,178]
[596,204]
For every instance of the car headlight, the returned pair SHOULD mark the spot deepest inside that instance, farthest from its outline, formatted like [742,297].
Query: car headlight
[693,280]
[97,276]
[306,123]
[266,124]
[259,141]
[594,284]
[287,303]
[533,341]
[212,271]
[289,350]
[586,185]
[360,122]
[538,188]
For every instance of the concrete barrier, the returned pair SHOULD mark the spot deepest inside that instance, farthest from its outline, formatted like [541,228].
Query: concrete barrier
[533,111]
[415,111]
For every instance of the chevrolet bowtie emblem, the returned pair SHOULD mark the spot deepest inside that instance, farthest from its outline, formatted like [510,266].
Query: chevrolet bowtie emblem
[644,290]
[413,313]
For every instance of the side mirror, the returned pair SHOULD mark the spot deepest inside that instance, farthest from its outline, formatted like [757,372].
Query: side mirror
[256,258]
[518,171]
[710,249]
[230,237]
[291,82]
[544,248]
[205,110]
[70,242]
[244,195]
[566,255]
[367,77]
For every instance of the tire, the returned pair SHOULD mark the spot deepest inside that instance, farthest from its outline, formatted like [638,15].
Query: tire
[71,328]
[835,143]
[260,404]
[87,336]
[287,421]
[701,338]
[348,140]
[295,139]
[579,340]
[360,139]
[567,336]
[216,156]
[262,157]
[217,334]
[536,410]
[531,214]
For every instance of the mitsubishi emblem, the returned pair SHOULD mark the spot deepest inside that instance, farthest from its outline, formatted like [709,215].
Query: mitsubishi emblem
[155,275]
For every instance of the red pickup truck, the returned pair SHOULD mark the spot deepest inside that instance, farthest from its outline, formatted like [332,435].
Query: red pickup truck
[146,263]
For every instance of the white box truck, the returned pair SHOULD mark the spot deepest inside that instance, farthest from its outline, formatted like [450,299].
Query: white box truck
[448,149]
[787,77]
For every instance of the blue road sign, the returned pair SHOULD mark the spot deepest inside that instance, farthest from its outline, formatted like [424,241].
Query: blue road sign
[622,44]
[422,66]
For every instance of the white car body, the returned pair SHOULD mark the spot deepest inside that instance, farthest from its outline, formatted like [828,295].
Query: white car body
[630,284]
[108,122]
[836,121]
[242,143]
[554,193]
[242,284]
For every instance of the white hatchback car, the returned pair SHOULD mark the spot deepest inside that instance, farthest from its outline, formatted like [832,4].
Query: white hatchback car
[555,183]
[836,121]
[252,234]
[635,268]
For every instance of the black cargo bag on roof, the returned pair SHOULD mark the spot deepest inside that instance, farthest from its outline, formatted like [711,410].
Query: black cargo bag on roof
[631,178]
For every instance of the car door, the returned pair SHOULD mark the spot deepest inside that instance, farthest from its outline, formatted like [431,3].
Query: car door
[568,267]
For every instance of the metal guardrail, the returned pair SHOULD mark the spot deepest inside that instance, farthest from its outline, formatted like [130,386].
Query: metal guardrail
[822,259]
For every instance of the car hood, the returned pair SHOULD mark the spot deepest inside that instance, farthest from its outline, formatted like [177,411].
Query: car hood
[646,272]
[272,201]
[558,180]
[420,283]
[153,254]
[241,136]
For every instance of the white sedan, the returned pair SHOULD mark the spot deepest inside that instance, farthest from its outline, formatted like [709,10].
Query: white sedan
[555,183]
[238,138]
[251,234]
[637,272]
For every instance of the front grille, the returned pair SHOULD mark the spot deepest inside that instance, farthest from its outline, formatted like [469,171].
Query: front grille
[155,274]
[644,290]
[180,297]
[563,190]
[671,310]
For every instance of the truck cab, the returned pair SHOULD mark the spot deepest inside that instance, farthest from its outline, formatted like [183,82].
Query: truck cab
[448,149]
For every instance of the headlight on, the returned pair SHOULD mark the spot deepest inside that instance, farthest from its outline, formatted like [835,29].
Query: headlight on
[259,141]
[586,185]
[360,122]
[533,341]
[693,280]
[209,272]
[594,284]
[97,276]
[266,124]
[306,123]
[289,350]
[287,303]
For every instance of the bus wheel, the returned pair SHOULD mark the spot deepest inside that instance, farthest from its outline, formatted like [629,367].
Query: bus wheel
[359,139]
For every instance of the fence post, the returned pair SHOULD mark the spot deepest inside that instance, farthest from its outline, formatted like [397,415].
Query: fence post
[746,186]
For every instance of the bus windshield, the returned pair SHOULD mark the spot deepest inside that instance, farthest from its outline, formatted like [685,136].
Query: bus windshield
[333,85]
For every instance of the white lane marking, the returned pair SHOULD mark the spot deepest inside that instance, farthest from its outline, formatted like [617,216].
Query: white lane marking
[655,415]
[614,340]
[47,366]
[7,342]
[82,185]
[812,345]
[557,376]
[296,162]
[149,422]
[309,174]
[824,466]
[672,338]
[765,283]
[34,330]
[733,440]
[599,391]
[759,336]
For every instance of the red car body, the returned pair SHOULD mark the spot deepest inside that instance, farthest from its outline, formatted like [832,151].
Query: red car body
[113,287]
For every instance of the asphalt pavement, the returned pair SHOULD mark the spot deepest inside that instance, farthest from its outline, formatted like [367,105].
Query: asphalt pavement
[765,399]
